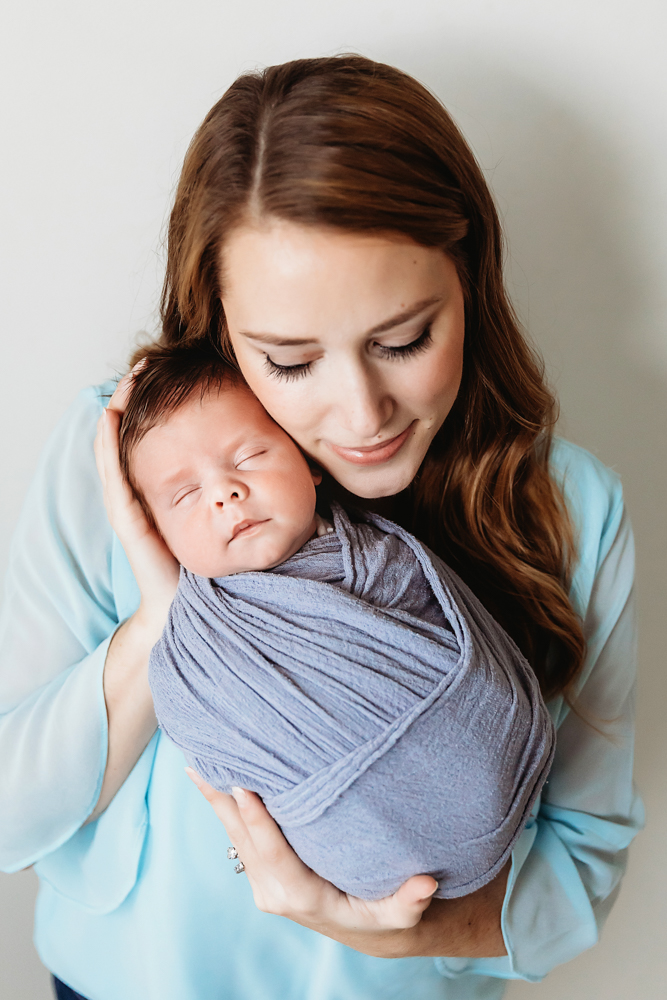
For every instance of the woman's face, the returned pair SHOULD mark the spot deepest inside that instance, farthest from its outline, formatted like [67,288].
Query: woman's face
[353,343]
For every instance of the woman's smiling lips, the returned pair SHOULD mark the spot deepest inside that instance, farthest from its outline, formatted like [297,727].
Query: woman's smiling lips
[246,528]
[375,454]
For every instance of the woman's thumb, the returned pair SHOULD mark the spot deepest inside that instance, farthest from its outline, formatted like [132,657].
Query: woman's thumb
[415,896]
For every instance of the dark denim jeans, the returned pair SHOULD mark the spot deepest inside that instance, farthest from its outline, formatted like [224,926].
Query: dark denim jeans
[64,992]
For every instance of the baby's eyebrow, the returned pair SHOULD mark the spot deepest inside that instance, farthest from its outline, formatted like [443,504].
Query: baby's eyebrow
[176,477]
[169,483]
[278,341]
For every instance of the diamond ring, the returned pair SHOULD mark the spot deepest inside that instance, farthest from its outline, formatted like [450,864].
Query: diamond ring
[240,867]
[232,853]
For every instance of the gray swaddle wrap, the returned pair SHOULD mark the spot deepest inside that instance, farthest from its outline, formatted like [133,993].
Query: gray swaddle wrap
[389,723]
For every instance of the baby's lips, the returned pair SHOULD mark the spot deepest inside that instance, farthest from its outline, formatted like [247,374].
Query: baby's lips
[247,523]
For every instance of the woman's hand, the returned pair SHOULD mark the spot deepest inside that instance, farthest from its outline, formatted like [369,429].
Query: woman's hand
[154,567]
[409,923]
[129,704]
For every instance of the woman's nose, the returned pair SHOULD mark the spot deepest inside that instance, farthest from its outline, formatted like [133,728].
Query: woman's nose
[364,406]
[230,492]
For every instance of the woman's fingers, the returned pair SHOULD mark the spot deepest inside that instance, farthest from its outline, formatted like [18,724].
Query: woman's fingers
[405,908]
[280,881]
[267,837]
[155,568]
[116,404]
[283,884]
[99,449]
[126,513]
[119,494]
[247,822]
[119,399]
[227,811]
[106,458]
[224,807]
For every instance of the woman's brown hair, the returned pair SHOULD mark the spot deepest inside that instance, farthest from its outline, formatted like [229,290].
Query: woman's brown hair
[358,145]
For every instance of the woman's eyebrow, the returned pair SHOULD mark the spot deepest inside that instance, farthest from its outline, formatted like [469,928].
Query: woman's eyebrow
[404,316]
[277,341]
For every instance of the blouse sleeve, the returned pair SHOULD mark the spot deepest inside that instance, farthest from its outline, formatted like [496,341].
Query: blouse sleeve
[568,864]
[58,617]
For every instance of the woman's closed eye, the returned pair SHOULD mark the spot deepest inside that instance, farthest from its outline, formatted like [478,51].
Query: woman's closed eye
[288,372]
[423,341]
[293,372]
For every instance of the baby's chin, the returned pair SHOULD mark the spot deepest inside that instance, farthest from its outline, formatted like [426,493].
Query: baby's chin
[228,567]
[214,570]
[252,555]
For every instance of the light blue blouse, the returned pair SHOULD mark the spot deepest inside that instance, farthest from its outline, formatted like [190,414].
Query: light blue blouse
[142,904]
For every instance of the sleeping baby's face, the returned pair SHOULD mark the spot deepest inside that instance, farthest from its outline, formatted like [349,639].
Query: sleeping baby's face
[229,490]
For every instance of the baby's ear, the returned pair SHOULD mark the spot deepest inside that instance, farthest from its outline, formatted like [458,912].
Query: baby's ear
[316,473]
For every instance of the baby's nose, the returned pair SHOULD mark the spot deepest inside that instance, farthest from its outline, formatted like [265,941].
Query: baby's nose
[229,493]
[234,495]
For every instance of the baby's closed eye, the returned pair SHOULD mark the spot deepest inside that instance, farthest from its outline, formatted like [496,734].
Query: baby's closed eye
[187,493]
[246,458]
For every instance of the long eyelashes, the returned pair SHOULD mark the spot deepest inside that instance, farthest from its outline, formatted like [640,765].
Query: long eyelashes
[423,341]
[290,373]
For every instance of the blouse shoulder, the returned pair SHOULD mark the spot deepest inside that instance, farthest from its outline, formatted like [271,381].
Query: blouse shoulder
[66,487]
[583,477]
[86,407]
[69,444]
[593,494]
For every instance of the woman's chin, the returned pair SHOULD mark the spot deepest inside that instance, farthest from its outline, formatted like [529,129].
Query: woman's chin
[375,482]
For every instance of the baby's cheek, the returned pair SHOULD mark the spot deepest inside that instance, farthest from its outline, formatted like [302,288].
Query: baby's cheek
[274,549]
[294,490]
[191,550]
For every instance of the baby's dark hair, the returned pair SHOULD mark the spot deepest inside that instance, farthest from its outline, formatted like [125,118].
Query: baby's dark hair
[168,378]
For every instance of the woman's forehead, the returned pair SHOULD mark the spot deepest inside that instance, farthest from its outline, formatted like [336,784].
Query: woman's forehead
[298,281]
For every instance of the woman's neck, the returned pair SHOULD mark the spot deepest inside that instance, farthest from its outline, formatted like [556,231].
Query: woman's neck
[394,508]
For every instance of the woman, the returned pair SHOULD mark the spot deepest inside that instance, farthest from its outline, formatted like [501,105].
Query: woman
[334,235]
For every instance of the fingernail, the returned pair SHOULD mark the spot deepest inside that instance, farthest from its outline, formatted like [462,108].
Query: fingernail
[240,795]
[193,776]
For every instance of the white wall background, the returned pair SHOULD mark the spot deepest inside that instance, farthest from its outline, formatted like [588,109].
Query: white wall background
[564,102]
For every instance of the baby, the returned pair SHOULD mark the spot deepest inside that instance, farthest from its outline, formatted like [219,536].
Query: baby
[227,488]
[341,671]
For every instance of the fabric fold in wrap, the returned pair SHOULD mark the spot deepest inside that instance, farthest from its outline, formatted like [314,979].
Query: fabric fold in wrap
[389,723]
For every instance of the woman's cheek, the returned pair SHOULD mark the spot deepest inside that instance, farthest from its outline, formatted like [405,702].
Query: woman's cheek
[276,396]
[439,381]
[293,406]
